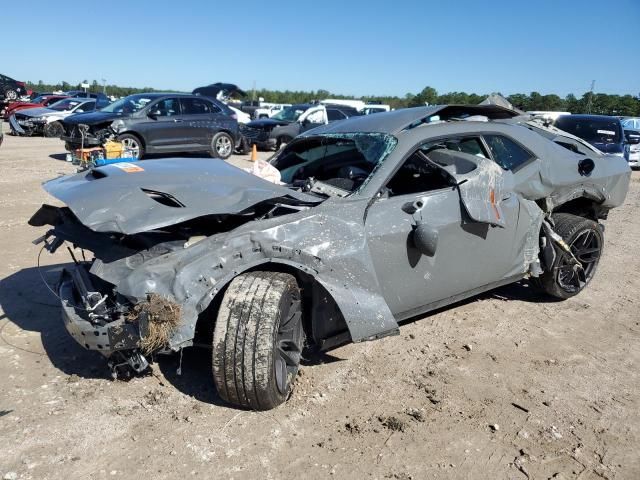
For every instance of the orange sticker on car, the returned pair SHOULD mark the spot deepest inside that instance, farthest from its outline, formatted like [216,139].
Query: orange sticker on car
[128,167]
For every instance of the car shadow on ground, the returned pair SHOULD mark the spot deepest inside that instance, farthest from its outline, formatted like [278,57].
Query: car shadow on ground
[59,156]
[190,372]
[28,304]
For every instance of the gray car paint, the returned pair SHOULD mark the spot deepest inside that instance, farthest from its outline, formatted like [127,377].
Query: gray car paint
[357,247]
[113,199]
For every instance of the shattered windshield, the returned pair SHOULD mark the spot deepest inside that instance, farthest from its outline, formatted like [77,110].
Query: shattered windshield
[130,104]
[333,164]
[289,114]
[593,130]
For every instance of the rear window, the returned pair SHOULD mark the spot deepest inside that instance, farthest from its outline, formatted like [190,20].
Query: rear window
[593,130]
[507,153]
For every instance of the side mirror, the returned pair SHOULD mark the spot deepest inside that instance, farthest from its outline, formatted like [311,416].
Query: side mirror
[425,239]
[424,236]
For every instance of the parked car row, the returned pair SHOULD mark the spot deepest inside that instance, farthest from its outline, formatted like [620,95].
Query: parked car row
[158,123]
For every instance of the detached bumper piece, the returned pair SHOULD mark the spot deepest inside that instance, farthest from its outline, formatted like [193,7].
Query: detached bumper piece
[89,320]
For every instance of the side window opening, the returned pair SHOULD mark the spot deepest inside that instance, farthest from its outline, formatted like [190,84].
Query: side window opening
[418,175]
[195,106]
[166,108]
[507,153]
[334,115]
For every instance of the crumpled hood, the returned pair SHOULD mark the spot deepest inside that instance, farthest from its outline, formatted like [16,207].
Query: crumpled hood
[266,123]
[92,118]
[136,197]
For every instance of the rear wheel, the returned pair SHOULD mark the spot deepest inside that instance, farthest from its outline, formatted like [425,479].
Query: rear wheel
[222,145]
[258,340]
[10,94]
[132,144]
[53,130]
[586,241]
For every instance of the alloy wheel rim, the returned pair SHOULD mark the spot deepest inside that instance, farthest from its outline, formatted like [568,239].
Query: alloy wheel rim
[586,248]
[132,145]
[223,146]
[289,342]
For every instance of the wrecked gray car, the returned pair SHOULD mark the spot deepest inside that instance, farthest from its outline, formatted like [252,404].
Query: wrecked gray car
[377,219]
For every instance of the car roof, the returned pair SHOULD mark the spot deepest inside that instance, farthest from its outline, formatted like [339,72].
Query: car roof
[588,116]
[406,118]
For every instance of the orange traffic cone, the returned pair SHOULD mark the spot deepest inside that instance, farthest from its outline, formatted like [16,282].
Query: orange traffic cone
[254,153]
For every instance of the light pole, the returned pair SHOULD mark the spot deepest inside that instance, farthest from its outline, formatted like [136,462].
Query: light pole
[104,86]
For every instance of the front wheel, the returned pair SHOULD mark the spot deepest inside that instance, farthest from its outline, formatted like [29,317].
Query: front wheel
[53,130]
[258,340]
[222,145]
[586,240]
[132,145]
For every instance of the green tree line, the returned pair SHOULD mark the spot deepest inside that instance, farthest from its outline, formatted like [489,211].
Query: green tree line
[597,103]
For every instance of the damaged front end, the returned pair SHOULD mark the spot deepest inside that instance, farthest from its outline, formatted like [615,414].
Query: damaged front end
[104,308]
[124,330]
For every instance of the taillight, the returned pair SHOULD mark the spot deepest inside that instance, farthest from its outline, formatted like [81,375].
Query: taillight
[21,84]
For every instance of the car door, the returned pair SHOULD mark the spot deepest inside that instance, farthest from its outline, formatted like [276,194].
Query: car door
[161,125]
[199,121]
[312,118]
[438,230]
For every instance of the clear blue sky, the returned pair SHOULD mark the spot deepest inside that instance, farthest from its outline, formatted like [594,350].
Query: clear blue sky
[349,47]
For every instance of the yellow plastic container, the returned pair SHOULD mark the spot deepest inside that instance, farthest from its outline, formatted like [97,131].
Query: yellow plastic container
[113,149]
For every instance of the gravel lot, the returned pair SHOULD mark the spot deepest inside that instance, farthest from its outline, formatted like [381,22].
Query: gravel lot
[506,385]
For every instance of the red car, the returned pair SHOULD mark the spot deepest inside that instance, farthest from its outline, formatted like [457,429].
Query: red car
[41,101]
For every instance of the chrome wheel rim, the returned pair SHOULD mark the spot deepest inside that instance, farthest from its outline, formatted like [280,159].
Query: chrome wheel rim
[131,145]
[11,95]
[586,248]
[223,146]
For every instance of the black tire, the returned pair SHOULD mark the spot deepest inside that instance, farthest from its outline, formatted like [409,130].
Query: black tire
[586,240]
[222,145]
[53,130]
[133,143]
[258,340]
[281,141]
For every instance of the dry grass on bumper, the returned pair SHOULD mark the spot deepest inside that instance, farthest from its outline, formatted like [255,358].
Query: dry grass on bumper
[161,317]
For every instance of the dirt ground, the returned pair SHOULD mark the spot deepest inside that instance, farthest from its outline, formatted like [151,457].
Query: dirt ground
[506,385]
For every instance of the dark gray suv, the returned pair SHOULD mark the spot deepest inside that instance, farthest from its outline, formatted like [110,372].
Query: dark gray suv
[158,123]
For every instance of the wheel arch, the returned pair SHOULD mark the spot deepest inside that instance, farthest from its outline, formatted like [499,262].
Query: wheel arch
[228,132]
[135,134]
[323,320]
[584,206]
